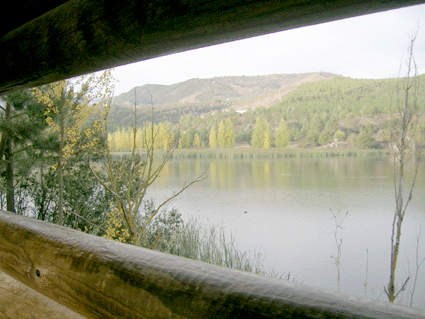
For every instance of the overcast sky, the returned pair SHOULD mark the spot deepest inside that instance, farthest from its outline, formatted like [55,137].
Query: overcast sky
[370,46]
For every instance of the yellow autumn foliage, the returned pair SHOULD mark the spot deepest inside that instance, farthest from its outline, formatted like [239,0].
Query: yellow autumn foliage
[115,228]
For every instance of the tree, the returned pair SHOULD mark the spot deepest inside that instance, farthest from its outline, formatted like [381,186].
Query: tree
[22,129]
[204,136]
[313,137]
[229,136]
[221,135]
[68,111]
[407,109]
[184,140]
[169,137]
[324,138]
[282,135]
[8,152]
[257,138]
[111,142]
[339,135]
[196,141]
[181,140]
[331,125]
[131,215]
[266,143]
[213,138]
[118,143]
[258,135]
[160,137]
[366,139]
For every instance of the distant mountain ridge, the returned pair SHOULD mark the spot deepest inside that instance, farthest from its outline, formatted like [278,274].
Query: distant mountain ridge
[229,91]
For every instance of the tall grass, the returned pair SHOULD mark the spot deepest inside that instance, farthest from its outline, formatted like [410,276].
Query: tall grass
[252,153]
[210,244]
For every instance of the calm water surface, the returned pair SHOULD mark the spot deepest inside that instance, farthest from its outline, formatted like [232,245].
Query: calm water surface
[288,217]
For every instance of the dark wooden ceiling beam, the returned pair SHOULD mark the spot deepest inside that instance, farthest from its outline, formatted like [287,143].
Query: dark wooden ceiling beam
[23,11]
[83,36]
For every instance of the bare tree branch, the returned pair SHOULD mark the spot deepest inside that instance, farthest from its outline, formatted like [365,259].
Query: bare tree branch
[407,107]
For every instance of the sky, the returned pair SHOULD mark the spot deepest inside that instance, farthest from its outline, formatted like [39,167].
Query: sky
[370,47]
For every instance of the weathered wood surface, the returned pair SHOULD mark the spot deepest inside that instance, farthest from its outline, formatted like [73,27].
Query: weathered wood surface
[99,278]
[20,301]
[83,36]
[24,11]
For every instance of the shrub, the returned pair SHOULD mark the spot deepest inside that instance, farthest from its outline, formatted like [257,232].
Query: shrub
[339,136]
[365,140]
[324,138]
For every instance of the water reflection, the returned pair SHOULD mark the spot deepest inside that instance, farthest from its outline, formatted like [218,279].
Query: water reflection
[308,173]
[222,174]
[288,202]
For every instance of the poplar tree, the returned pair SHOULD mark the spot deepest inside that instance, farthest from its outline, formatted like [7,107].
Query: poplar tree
[186,140]
[160,136]
[258,134]
[229,134]
[196,141]
[221,135]
[213,138]
[257,138]
[148,135]
[282,135]
[118,141]
[266,143]
[125,142]
[139,139]
[169,137]
[111,142]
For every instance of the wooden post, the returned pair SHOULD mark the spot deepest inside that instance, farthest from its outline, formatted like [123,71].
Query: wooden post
[100,278]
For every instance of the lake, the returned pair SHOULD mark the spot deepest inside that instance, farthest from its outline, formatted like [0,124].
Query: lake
[288,217]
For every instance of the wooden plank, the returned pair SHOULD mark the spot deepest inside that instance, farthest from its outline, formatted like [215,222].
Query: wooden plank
[25,11]
[99,278]
[83,36]
[20,301]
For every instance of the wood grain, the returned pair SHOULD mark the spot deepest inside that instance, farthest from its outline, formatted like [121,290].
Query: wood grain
[99,278]
[83,36]
[20,301]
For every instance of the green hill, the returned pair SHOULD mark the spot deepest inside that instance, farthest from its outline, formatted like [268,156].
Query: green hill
[202,96]
[228,88]
[317,112]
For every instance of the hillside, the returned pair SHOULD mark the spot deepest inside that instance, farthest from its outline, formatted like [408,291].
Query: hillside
[356,112]
[228,88]
[200,96]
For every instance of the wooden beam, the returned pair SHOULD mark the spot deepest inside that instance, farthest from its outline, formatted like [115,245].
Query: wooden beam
[83,36]
[24,11]
[20,301]
[100,278]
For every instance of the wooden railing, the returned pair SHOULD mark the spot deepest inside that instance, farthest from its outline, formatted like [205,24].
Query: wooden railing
[99,278]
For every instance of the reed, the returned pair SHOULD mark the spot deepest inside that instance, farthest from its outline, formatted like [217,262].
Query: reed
[244,153]
[211,244]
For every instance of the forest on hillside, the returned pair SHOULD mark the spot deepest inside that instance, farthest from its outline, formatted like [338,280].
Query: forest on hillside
[203,96]
[341,113]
